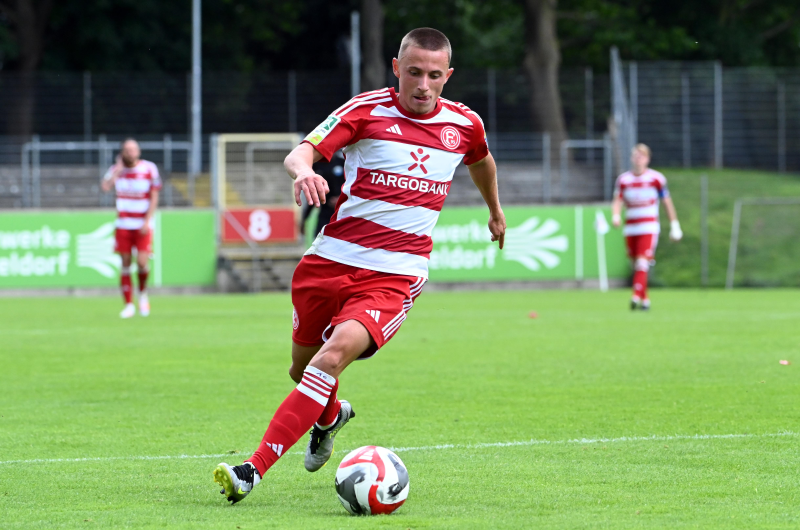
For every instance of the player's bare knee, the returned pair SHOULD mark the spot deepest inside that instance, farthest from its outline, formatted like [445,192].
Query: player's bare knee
[331,361]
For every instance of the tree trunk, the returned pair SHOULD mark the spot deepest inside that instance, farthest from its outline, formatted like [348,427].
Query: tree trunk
[374,72]
[29,18]
[542,59]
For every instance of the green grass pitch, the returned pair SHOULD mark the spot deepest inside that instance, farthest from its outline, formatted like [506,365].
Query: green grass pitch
[95,411]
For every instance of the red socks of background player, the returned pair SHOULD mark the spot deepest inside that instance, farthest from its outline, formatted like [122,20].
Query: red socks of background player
[125,284]
[143,272]
[641,268]
[313,398]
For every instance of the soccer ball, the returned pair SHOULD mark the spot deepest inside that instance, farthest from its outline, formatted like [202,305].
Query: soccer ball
[372,480]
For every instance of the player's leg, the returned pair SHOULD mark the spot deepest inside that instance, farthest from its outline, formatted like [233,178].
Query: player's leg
[299,411]
[126,286]
[143,247]
[631,244]
[649,243]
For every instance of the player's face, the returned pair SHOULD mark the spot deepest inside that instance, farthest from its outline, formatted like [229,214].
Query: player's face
[422,75]
[130,153]
[639,160]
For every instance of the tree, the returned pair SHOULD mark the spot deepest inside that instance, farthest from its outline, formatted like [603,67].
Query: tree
[373,76]
[28,20]
[541,63]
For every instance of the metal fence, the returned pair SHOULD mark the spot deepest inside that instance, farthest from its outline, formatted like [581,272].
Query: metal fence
[702,114]
[691,114]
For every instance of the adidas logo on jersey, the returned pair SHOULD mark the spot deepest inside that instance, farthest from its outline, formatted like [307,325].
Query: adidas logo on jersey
[374,314]
[395,129]
[278,448]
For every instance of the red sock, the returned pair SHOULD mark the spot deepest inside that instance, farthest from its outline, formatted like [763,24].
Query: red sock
[331,411]
[296,415]
[143,279]
[125,284]
[640,278]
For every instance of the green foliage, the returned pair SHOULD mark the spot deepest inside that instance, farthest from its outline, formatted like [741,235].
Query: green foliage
[203,375]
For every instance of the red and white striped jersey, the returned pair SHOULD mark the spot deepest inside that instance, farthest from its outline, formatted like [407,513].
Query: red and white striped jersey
[398,170]
[134,188]
[641,196]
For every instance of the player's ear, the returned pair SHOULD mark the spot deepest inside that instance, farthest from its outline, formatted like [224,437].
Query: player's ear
[396,67]
[448,74]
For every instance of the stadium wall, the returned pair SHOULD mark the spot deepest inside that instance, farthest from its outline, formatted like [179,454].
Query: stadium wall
[67,249]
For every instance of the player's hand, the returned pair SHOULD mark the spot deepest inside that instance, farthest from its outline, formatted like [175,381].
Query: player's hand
[675,232]
[144,230]
[616,220]
[497,226]
[313,186]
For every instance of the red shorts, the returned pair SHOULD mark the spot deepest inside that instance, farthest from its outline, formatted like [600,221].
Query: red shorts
[127,239]
[642,245]
[326,293]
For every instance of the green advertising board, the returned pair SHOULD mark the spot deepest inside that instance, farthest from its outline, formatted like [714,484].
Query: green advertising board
[76,249]
[541,243]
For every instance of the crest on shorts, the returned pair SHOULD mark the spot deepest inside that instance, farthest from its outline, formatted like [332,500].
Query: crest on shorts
[295,319]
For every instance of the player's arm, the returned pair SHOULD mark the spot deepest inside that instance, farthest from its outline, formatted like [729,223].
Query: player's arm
[484,175]
[616,211]
[675,232]
[151,211]
[299,164]
[112,175]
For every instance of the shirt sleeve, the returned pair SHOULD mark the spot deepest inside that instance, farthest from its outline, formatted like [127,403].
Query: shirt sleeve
[336,132]
[618,187]
[479,145]
[155,182]
[109,173]
[663,190]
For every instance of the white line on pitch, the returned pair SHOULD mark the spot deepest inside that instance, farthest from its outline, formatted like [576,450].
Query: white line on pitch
[523,443]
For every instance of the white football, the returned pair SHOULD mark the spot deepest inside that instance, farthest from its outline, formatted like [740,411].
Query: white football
[372,480]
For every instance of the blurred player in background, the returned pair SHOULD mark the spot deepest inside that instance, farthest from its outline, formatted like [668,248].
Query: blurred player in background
[354,287]
[137,185]
[333,173]
[640,189]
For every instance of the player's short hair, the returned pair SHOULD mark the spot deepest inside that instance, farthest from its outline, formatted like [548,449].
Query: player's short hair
[643,148]
[428,39]
[126,140]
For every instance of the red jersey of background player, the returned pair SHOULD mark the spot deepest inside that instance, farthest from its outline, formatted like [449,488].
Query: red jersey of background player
[134,189]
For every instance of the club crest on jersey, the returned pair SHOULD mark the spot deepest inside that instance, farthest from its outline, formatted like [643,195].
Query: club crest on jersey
[451,138]
[324,128]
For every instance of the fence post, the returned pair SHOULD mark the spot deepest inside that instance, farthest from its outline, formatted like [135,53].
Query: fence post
[167,146]
[607,166]
[213,147]
[87,115]
[292,88]
[633,73]
[37,172]
[704,230]
[718,115]
[26,175]
[685,107]
[491,94]
[589,103]
[355,53]
[781,127]
[546,167]
[737,215]
[563,170]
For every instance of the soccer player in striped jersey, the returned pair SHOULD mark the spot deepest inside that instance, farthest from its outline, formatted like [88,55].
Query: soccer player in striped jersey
[640,190]
[137,184]
[356,284]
